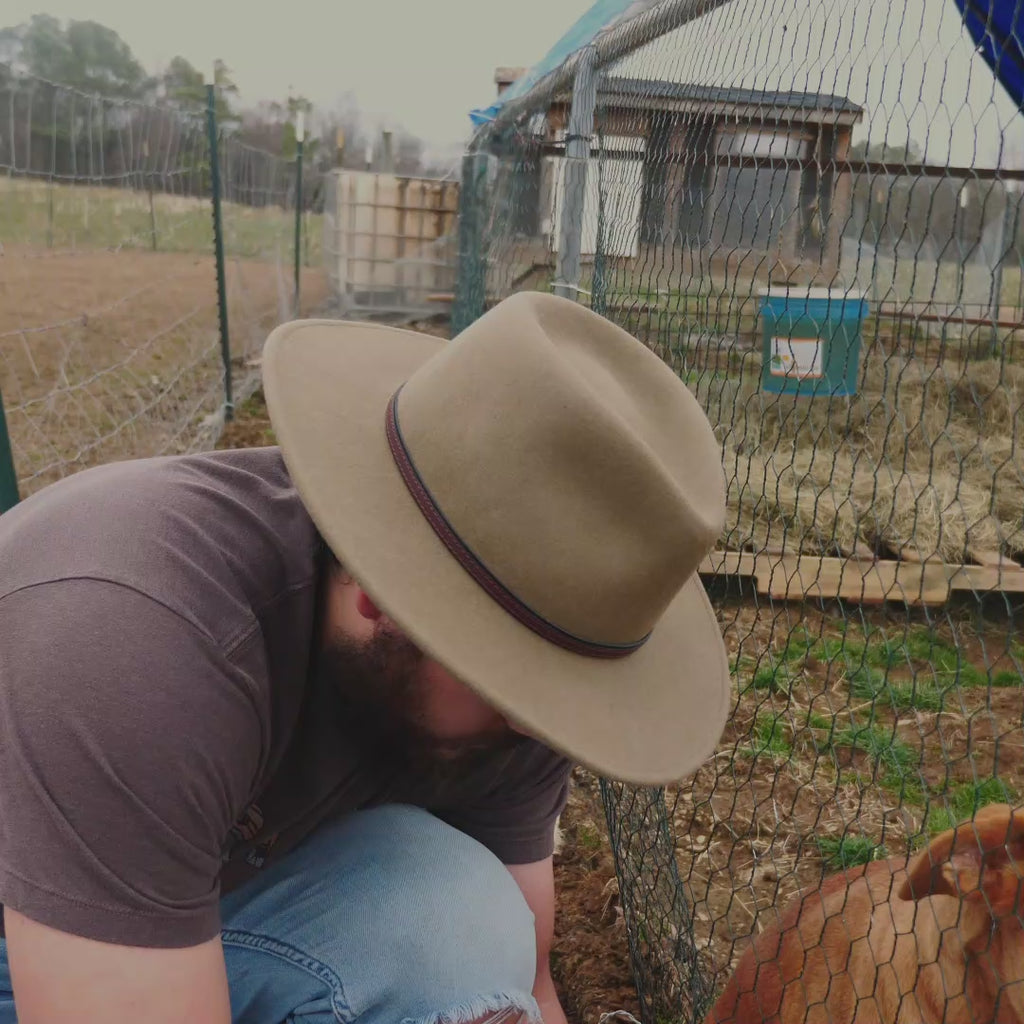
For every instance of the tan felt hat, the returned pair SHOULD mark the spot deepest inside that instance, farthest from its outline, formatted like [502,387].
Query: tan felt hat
[529,502]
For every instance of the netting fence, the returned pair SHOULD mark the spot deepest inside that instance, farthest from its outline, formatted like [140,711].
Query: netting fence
[112,342]
[813,213]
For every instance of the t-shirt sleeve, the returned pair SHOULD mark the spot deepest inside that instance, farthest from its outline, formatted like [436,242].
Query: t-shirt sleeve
[516,818]
[128,743]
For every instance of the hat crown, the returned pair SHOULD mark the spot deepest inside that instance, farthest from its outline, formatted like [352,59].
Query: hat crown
[570,460]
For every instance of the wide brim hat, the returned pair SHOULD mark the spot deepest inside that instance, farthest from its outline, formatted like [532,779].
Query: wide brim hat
[529,502]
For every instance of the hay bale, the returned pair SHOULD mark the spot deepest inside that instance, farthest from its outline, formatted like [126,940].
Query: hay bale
[926,460]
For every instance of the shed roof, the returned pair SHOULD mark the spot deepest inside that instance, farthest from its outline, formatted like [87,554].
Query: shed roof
[720,94]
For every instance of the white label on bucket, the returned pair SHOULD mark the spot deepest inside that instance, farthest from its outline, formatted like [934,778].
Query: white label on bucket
[796,357]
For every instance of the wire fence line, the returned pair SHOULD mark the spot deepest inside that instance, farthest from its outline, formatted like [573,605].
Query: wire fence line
[110,332]
[813,213]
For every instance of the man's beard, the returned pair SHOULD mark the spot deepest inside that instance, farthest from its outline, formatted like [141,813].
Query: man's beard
[382,711]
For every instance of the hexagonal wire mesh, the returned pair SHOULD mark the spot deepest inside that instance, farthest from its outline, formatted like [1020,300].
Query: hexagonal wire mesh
[812,212]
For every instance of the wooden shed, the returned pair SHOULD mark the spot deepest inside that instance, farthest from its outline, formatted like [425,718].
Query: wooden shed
[735,171]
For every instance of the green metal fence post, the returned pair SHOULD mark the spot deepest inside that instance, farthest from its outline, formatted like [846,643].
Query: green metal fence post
[218,248]
[470,281]
[300,135]
[8,478]
[599,281]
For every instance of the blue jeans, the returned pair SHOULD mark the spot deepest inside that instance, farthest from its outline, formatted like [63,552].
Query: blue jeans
[387,916]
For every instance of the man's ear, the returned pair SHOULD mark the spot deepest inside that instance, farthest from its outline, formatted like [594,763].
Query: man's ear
[366,607]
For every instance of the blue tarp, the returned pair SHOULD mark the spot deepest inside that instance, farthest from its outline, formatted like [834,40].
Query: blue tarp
[603,14]
[997,28]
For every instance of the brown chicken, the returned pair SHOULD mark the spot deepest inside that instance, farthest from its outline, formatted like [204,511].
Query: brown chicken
[938,939]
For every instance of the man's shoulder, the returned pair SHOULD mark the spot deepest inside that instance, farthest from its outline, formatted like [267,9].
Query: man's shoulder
[212,536]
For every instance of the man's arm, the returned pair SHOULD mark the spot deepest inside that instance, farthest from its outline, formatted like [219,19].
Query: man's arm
[62,977]
[537,882]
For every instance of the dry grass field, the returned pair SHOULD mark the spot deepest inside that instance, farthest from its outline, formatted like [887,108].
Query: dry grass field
[109,349]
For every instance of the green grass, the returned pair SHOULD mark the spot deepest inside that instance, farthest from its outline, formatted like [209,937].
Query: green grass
[675,300]
[865,682]
[949,665]
[776,678]
[831,647]
[816,721]
[848,851]
[697,376]
[963,800]
[799,644]
[873,684]
[936,665]
[891,757]
[919,696]
[726,312]
[886,652]
[588,837]
[924,645]
[768,737]
[254,405]
[250,412]
[1007,677]
[888,672]
[817,732]
[921,642]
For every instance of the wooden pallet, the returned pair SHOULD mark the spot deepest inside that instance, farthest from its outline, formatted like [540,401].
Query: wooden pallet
[787,576]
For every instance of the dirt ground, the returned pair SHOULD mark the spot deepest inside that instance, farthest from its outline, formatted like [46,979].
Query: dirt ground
[110,354]
[590,959]
[854,733]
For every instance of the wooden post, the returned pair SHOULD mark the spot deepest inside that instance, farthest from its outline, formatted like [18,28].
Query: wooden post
[839,213]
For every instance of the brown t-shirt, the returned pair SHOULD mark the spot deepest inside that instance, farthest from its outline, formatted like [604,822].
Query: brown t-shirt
[161,734]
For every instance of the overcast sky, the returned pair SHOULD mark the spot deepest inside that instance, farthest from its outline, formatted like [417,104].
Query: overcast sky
[423,64]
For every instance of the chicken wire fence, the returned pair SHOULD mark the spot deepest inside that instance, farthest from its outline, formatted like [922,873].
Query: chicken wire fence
[110,330]
[813,213]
